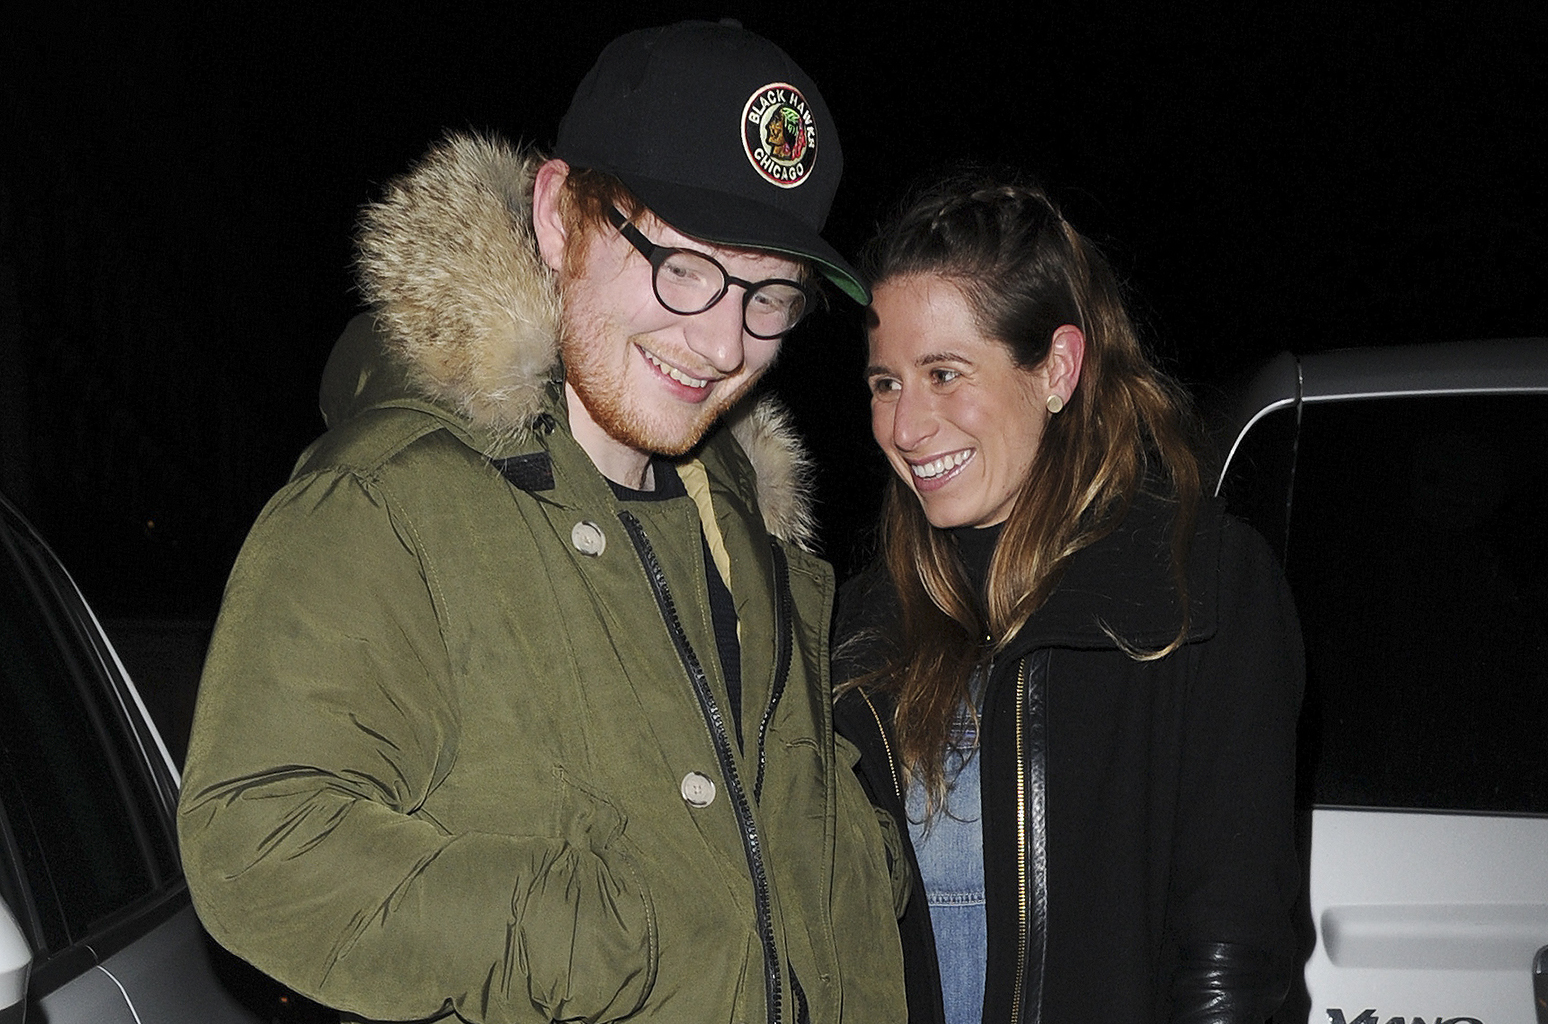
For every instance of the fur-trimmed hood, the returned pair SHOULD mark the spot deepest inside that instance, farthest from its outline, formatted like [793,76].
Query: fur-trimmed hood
[469,313]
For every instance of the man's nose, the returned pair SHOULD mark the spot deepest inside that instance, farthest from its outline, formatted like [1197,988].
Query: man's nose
[716,334]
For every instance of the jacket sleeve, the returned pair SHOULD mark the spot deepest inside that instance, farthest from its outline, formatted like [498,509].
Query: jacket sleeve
[1236,876]
[858,648]
[327,715]
[866,611]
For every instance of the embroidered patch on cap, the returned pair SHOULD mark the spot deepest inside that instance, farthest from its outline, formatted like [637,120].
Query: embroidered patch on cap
[779,134]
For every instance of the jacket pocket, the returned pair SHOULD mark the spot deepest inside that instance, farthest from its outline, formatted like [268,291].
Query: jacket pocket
[585,935]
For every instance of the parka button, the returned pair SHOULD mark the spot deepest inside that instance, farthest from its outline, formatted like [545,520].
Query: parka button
[588,538]
[698,789]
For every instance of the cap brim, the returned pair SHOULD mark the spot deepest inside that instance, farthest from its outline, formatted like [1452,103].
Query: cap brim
[734,221]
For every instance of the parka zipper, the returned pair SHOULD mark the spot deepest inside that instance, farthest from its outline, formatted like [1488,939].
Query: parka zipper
[714,720]
[782,653]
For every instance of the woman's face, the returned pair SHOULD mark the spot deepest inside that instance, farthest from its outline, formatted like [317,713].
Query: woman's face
[958,420]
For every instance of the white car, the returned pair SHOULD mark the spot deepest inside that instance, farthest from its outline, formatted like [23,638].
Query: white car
[1406,492]
[95,921]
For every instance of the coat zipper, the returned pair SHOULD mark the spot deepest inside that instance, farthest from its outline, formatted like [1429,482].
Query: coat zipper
[892,763]
[1023,897]
[1031,837]
[782,645]
[714,720]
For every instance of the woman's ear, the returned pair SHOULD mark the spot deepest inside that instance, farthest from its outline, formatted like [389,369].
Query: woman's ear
[547,222]
[1061,367]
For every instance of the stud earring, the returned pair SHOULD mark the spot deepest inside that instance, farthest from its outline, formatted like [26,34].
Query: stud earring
[1055,403]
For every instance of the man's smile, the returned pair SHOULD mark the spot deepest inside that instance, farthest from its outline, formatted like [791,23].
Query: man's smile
[676,374]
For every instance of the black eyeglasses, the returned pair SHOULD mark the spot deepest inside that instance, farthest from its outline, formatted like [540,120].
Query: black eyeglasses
[688,282]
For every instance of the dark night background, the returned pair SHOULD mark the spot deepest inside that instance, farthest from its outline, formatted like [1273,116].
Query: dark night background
[179,182]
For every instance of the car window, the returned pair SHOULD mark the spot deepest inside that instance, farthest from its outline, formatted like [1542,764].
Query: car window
[82,822]
[1417,541]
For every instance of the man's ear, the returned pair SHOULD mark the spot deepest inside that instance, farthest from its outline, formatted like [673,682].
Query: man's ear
[1061,367]
[547,222]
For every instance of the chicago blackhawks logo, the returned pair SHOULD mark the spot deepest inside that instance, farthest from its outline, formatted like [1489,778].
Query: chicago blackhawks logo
[779,134]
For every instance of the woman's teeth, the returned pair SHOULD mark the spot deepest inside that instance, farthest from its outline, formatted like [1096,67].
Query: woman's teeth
[941,465]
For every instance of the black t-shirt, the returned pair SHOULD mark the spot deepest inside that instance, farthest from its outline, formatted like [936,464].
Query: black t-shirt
[722,607]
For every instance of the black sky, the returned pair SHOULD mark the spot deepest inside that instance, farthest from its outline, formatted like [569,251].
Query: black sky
[178,186]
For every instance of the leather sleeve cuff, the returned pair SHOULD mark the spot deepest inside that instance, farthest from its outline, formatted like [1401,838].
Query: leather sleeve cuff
[1226,983]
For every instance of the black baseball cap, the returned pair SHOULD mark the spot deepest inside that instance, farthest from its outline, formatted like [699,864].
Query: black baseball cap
[720,134]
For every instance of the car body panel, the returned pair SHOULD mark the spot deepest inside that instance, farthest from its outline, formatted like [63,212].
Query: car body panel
[176,949]
[1428,874]
[93,996]
[1427,914]
[88,858]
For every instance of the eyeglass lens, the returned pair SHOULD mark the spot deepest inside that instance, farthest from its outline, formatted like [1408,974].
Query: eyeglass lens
[688,282]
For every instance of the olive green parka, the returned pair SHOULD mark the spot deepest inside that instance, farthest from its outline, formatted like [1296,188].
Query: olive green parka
[462,743]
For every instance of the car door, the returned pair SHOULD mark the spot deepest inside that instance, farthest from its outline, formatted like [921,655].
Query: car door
[88,861]
[1414,532]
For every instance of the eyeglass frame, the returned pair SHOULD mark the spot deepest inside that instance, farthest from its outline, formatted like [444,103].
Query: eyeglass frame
[656,255]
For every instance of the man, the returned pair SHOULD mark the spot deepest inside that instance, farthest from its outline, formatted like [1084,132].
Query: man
[518,706]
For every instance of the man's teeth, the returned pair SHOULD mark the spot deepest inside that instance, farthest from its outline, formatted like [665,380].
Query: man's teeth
[941,465]
[676,374]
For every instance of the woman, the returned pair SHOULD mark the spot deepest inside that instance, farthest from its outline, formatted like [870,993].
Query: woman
[1076,678]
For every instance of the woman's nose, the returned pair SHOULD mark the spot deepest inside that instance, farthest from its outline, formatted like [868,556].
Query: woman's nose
[913,420]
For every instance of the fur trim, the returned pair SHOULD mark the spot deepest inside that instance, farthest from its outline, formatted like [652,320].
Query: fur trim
[783,466]
[448,260]
[466,304]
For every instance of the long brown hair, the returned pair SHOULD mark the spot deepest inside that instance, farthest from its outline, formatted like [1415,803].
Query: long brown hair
[1025,272]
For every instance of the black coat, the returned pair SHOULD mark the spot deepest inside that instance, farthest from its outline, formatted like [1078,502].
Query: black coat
[1138,815]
